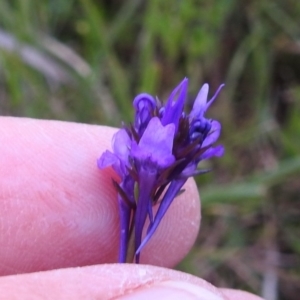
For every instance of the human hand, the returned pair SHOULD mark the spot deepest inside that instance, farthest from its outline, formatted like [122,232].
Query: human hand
[58,212]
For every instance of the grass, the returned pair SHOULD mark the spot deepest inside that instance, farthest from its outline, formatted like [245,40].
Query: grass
[85,60]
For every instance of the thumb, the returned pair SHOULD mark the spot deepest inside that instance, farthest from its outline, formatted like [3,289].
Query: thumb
[112,281]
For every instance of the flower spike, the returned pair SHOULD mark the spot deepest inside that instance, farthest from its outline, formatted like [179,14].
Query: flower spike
[154,157]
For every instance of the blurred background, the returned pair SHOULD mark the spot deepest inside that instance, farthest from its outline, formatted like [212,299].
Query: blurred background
[85,60]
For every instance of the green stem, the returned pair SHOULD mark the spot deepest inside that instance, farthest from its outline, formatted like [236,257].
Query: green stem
[131,248]
[131,243]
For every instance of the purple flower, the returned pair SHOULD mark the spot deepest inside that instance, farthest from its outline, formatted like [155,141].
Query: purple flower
[154,157]
[156,144]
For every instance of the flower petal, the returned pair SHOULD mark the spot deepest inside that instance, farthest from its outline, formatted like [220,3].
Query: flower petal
[107,159]
[214,97]
[142,100]
[200,102]
[121,144]
[156,144]
[173,109]
[213,151]
[213,135]
[144,105]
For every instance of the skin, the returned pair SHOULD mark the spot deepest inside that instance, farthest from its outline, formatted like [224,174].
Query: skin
[59,222]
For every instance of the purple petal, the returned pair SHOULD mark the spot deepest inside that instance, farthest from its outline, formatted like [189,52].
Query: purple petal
[200,102]
[156,144]
[213,151]
[119,158]
[121,145]
[189,169]
[214,97]
[167,200]
[144,105]
[213,135]
[142,100]
[107,159]
[200,106]
[173,109]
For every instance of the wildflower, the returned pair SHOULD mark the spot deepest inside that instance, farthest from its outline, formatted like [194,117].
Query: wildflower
[154,157]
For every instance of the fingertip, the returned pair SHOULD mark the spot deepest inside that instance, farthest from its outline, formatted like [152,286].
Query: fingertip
[239,295]
[66,208]
[58,208]
[172,289]
[115,281]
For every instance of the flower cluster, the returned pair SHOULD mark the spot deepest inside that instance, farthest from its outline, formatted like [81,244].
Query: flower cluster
[154,157]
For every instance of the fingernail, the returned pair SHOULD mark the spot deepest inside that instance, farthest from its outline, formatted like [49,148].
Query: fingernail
[172,290]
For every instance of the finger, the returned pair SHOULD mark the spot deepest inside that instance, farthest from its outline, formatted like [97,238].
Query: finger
[115,281]
[239,295]
[57,209]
